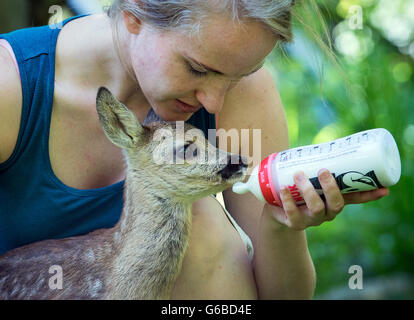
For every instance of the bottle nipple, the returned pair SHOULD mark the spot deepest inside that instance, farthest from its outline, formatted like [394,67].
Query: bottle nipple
[240,188]
[252,185]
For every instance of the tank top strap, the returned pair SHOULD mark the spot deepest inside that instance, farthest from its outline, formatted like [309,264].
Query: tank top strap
[34,50]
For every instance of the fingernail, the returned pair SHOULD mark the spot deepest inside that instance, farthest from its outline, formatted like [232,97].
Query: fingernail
[284,189]
[300,176]
[324,174]
[384,192]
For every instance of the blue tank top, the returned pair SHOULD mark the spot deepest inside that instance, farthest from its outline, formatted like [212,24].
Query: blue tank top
[34,204]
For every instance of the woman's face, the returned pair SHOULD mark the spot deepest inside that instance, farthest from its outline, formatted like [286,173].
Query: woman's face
[173,68]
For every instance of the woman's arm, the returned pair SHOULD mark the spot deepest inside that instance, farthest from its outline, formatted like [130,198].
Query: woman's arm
[282,264]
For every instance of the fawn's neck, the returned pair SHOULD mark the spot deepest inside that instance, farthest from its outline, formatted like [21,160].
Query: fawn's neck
[151,238]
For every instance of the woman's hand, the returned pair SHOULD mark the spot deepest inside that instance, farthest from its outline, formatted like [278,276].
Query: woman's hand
[316,211]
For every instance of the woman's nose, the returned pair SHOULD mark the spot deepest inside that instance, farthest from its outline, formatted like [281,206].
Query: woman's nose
[212,95]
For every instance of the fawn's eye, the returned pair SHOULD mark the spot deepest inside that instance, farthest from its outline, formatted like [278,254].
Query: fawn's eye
[188,151]
[190,148]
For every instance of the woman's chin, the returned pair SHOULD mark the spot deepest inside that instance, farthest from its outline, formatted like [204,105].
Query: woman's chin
[174,116]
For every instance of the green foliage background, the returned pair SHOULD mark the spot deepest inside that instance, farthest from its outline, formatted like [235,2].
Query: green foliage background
[376,90]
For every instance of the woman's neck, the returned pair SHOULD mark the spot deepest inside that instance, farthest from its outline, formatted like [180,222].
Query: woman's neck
[88,44]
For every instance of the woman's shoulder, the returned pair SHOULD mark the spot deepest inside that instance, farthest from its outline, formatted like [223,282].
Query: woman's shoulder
[79,67]
[251,101]
[255,104]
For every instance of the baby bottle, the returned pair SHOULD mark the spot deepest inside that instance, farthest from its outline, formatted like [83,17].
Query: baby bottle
[363,161]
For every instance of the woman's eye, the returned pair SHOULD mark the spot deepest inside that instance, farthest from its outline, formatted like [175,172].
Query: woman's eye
[196,72]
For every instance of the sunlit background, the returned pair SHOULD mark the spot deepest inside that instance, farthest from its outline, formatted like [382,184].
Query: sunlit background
[372,87]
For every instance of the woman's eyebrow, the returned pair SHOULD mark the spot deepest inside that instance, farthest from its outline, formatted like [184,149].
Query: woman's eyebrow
[219,72]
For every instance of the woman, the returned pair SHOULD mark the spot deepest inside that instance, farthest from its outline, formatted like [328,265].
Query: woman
[180,60]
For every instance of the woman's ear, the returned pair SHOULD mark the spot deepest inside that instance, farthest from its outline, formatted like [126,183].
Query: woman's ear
[132,23]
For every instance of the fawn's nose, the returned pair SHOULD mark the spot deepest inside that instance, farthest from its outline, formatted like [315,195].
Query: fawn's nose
[235,163]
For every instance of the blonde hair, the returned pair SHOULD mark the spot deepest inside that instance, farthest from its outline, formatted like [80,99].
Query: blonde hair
[188,16]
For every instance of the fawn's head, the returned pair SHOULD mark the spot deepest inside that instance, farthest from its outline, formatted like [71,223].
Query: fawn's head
[175,159]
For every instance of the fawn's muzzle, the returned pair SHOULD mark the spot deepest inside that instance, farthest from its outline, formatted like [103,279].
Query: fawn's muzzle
[235,165]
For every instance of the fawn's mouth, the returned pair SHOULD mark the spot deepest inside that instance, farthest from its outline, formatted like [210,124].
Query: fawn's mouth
[236,167]
[233,171]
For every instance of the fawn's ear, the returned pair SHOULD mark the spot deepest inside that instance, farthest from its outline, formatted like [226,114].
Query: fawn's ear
[118,122]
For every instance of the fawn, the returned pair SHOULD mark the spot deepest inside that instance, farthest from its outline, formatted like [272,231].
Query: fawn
[141,256]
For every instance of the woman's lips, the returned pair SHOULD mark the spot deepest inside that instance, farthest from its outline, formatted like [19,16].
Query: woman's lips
[184,107]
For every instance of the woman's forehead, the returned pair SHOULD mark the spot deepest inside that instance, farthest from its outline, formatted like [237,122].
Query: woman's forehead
[231,44]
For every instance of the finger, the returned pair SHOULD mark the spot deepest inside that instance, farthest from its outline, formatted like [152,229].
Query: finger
[334,200]
[293,215]
[315,206]
[280,215]
[365,196]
